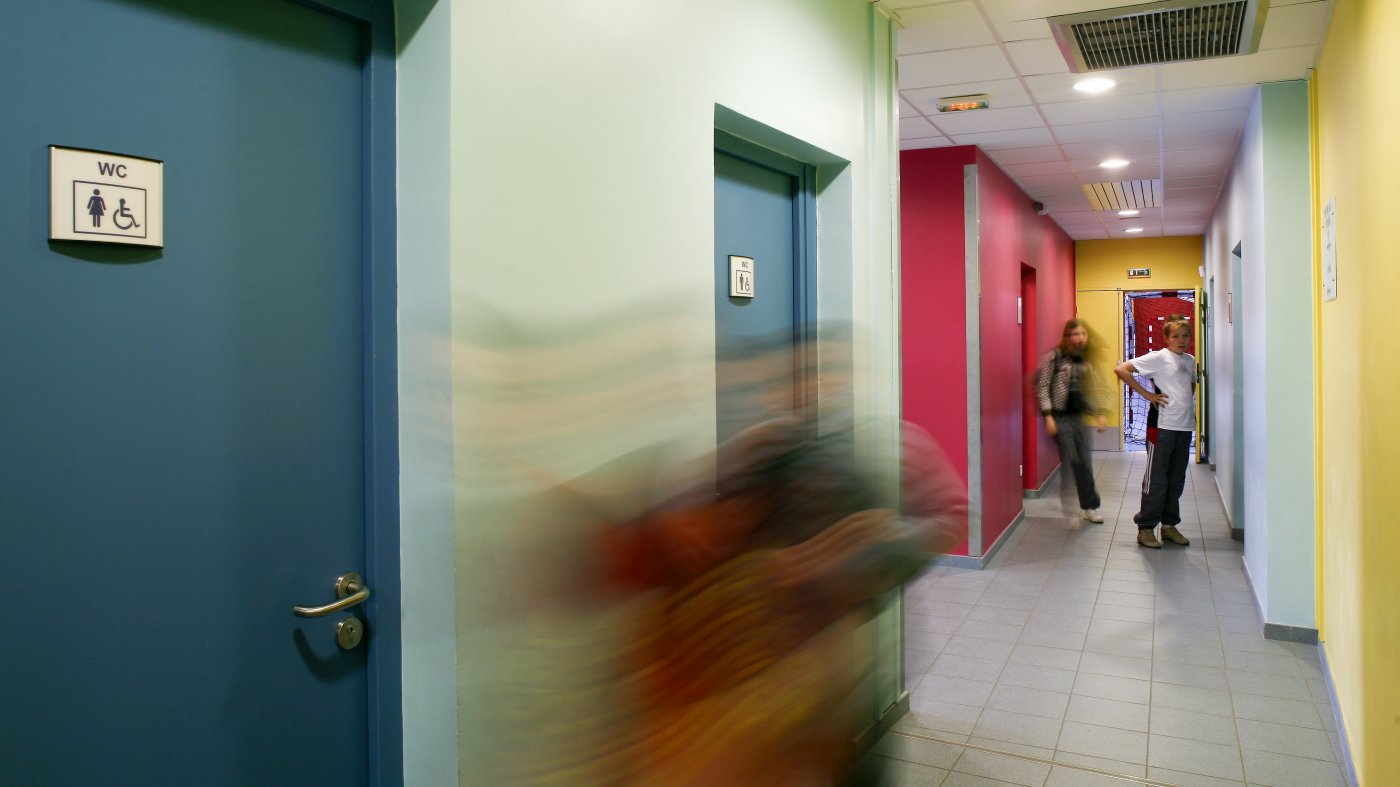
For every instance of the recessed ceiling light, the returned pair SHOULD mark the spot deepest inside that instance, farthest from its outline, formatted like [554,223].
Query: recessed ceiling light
[1114,163]
[1094,85]
[1129,212]
[1133,229]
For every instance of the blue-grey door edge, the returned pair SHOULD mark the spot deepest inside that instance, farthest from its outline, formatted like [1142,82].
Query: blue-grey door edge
[804,239]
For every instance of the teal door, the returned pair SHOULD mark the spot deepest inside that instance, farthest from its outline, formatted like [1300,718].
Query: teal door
[184,429]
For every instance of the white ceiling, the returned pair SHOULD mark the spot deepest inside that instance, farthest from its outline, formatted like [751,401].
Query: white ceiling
[1180,122]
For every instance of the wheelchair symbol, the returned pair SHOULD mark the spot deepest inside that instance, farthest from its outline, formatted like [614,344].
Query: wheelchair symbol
[123,212]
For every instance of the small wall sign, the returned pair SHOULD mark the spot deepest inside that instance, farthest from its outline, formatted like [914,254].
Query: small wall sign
[741,276]
[102,197]
[1139,273]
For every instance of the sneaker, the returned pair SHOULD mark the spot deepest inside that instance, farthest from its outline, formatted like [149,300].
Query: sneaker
[1145,538]
[1173,535]
[1092,514]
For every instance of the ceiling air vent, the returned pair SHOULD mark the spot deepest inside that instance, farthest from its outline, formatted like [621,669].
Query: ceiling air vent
[1124,194]
[1163,32]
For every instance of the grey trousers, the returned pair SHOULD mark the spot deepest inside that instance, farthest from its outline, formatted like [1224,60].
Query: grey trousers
[1165,479]
[1073,441]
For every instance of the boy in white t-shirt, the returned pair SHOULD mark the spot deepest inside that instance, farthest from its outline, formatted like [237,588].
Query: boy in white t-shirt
[1173,372]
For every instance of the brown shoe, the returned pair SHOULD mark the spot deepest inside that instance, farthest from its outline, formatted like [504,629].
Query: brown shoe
[1145,538]
[1170,533]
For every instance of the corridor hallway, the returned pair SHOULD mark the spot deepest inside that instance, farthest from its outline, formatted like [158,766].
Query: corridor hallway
[1078,654]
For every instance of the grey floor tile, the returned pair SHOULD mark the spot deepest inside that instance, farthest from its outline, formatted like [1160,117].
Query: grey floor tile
[955,594]
[1288,687]
[995,598]
[960,691]
[1118,646]
[1036,677]
[1035,702]
[1054,638]
[997,766]
[992,614]
[1024,728]
[1189,675]
[1263,662]
[1124,599]
[943,609]
[1110,713]
[962,645]
[941,718]
[926,640]
[1110,687]
[1254,642]
[1118,666]
[899,773]
[1281,770]
[1121,628]
[1184,779]
[983,629]
[1119,612]
[1285,739]
[937,624]
[1192,698]
[956,779]
[1042,656]
[1011,747]
[1274,709]
[1066,776]
[968,667]
[918,661]
[1105,742]
[1101,763]
[1207,759]
[1184,653]
[1083,609]
[924,752]
[1193,725]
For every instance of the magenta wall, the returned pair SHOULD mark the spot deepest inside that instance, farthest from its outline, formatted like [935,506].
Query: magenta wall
[933,297]
[1012,234]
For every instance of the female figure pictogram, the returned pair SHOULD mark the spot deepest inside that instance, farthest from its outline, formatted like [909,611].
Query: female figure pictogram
[96,207]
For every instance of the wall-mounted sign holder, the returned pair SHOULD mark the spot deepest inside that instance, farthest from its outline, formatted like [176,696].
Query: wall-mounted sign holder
[1139,273]
[741,277]
[101,197]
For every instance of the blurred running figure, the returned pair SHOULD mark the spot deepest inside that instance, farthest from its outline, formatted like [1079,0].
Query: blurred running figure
[1173,375]
[1064,391]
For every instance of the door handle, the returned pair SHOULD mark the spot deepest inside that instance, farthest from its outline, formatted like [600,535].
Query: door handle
[349,588]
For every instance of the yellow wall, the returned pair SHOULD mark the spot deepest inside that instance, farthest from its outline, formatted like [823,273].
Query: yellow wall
[1101,277]
[1359,449]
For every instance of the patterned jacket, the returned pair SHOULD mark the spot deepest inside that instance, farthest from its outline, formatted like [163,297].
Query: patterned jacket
[1052,382]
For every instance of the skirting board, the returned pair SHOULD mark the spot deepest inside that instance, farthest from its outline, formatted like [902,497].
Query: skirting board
[964,561]
[1277,631]
[1348,764]
[1236,533]
[887,720]
[1036,494]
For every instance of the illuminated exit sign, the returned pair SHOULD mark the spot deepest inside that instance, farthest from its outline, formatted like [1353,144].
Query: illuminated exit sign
[1139,273]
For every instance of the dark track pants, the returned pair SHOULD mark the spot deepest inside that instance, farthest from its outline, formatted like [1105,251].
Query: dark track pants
[1073,441]
[1165,479]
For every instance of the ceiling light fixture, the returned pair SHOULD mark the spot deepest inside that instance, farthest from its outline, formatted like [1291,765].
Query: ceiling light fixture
[1129,212]
[964,103]
[1133,229]
[1114,163]
[1094,85]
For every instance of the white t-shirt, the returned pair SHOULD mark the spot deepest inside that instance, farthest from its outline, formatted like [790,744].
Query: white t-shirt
[1173,373]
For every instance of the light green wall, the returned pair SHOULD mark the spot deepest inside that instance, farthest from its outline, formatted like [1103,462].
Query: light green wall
[573,198]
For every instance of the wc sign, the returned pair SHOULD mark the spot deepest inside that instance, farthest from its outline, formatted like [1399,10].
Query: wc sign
[102,197]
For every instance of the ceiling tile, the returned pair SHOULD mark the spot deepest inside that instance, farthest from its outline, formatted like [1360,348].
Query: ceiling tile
[1226,120]
[1273,65]
[1101,109]
[1003,93]
[1138,163]
[1294,25]
[1212,155]
[1036,168]
[1009,156]
[1208,181]
[1194,140]
[980,120]
[1021,138]
[1060,87]
[1207,99]
[1050,181]
[925,142]
[1193,170]
[1097,132]
[943,26]
[1115,148]
[946,68]
[916,127]
[1037,56]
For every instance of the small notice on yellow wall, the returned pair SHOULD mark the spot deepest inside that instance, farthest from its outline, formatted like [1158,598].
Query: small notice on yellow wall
[102,197]
[1139,273]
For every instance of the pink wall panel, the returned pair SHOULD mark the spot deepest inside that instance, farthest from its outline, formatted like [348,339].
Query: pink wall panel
[1012,234]
[933,305]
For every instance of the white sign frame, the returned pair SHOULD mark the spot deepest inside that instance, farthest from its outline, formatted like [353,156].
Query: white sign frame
[741,277]
[1329,250]
[126,203]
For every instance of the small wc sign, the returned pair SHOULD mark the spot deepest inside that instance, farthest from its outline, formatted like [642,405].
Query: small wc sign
[102,197]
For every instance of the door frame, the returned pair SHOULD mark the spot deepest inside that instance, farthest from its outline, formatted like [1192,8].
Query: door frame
[379,267]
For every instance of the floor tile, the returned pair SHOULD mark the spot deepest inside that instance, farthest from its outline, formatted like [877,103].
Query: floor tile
[1042,656]
[1036,677]
[1054,638]
[1064,776]
[1274,709]
[986,630]
[956,779]
[1110,687]
[924,752]
[968,667]
[1118,646]
[1285,739]
[1024,728]
[1101,763]
[1106,742]
[993,614]
[960,691]
[1207,759]
[997,766]
[1184,779]
[975,646]
[1121,628]
[1118,666]
[1262,662]
[1192,698]
[899,773]
[1281,770]
[1111,713]
[1288,687]
[942,718]
[1189,675]
[1193,725]
[1035,702]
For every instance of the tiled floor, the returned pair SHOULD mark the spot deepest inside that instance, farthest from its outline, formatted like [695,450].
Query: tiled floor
[1080,658]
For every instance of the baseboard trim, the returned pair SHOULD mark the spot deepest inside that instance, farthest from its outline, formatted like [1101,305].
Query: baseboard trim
[965,561]
[1348,763]
[1036,494]
[1276,631]
[1236,533]
[884,724]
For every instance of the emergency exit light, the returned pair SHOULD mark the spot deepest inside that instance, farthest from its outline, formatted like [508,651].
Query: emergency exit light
[964,103]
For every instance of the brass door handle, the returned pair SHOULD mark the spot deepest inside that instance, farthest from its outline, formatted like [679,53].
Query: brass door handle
[349,588]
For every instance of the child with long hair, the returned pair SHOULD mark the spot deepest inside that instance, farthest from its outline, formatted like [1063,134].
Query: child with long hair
[1065,392]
